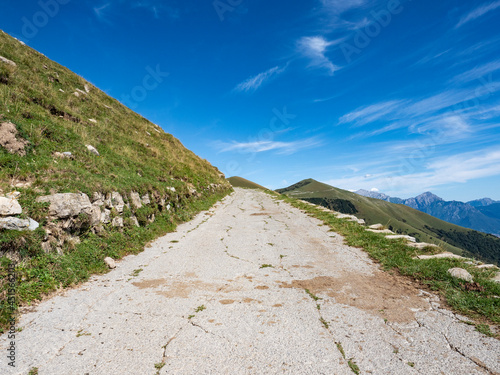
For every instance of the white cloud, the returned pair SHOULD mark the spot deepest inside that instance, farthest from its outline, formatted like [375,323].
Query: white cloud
[340,6]
[314,48]
[253,83]
[367,114]
[478,72]
[375,190]
[478,12]
[286,148]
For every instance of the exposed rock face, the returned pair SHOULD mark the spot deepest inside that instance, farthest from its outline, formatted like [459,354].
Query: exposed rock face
[9,206]
[106,216]
[117,201]
[145,199]
[401,236]
[9,141]
[67,205]
[13,223]
[376,226]
[135,199]
[460,273]
[117,222]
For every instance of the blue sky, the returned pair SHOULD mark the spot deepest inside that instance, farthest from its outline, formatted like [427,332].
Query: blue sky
[399,96]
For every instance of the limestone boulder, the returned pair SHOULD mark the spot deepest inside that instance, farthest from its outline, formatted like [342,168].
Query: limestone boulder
[461,273]
[9,207]
[135,199]
[13,223]
[66,205]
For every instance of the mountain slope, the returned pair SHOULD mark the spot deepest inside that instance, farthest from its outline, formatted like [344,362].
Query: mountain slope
[483,217]
[100,180]
[236,181]
[402,219]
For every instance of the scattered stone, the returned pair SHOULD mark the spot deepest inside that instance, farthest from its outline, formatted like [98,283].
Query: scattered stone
[135,199]
[145,199]
[110,262]
[376,226]
[107,106]
[81,91]
[135,221]
[13,223]
[67,205]
[148,133]
[13,195]
[460,273]
[151,218]
[384,231]
[421,245]
[93,120]
[9,206]
[172,189]
[7,61]
[92,149]
[496,278]
[77,94]
[168,207]
[481,266]
[63,155]
[438,256]
[98,199]
[403,236]
[9,141]
[61,90]
[95,215]
[117,222]
[87,88]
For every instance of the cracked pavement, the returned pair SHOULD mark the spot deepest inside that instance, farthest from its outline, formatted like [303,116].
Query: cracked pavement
[226,294]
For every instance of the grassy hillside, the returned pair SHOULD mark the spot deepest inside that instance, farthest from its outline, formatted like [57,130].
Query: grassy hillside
[401,219]
[244,183]
[54,111]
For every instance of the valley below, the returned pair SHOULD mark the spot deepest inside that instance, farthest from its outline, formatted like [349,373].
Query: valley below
[251,286]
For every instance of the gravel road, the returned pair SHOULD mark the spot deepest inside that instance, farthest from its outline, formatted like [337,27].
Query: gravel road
[253,286]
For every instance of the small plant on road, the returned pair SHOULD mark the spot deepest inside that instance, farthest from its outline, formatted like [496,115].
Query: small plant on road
[266,266]
[354,367]
[316,298]
[340,348]
[136,272]
[200,308]
[33,371]
[324,322]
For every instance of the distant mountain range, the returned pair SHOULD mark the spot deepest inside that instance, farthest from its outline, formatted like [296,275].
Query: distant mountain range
[482,214]
[403,219]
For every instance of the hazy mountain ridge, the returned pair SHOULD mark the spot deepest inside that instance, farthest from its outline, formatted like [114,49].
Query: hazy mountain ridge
[482,214]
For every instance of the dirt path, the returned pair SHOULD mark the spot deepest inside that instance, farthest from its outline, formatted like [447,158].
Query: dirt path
[226,294]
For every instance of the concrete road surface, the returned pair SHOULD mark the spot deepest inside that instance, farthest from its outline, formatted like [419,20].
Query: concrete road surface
[252,286]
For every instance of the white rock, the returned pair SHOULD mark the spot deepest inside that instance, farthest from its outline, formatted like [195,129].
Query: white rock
[110,262]
[95,215]
[384,231]
[376,226]
[7,61]
[496,278]
[117,201]
[441,255]
[92,149]
[421,245]
[135,199]
[460,273]
[135,221]
[67,204]
[93,120]
[145,199]
[106,216]
[61,90]
[117,222]
[481,266]
[171,189]
[87,89]
[403,236]
[13,223]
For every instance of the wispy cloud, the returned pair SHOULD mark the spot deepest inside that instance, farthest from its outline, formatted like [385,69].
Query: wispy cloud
[365,115]
[156,7]
[478,12]
[100,11]
[253,83]
[341,6]
[477,72]
[458,168]
[286,148]
[314,48]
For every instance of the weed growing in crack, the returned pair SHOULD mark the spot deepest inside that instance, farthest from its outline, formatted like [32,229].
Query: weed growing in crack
[191,316]
[411,364]
[485,330]
[200,308]
[324,322]
[316,298]
[33,371]
[353,366]
[266,266]
[340,348]
[136,272]
[282,256]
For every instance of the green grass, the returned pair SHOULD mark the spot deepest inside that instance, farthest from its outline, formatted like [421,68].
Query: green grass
[244,183]
[135,155]
[483,306]
[353,366]
[266,266]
